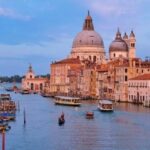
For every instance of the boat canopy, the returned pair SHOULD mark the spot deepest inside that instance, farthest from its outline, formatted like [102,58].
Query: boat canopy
[105,101]
[66,97]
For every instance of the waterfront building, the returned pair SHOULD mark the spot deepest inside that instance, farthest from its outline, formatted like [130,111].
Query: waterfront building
[102,81]
[88,80]
[139,89]
[59,80]
[33,83]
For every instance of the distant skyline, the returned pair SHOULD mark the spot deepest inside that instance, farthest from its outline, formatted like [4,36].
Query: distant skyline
[42,31]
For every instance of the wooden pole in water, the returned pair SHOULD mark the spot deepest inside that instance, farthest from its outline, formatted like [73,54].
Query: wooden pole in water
[24,117]
[3,140]
[18,106]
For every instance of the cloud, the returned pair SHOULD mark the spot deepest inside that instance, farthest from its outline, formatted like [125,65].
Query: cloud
[115,7]
[6,12]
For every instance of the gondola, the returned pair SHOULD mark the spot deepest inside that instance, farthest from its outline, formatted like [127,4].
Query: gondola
[61,119]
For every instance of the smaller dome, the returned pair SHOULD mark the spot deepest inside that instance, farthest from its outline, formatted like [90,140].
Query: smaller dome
[118,44]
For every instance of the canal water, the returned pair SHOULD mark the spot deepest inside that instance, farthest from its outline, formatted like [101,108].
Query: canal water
[127,128]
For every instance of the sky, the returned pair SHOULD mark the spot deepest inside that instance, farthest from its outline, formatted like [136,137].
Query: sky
[38,32]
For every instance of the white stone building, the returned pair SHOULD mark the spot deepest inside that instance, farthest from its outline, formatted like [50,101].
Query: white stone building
[139,89]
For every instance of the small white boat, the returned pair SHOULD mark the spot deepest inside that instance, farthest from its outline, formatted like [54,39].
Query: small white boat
[25,91]
[65,100]
[5,97]
[105,105]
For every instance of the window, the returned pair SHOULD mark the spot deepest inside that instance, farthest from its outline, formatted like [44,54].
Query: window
[32,86]
[94,58]
[41,86]
[90,57]
[126,78]
[114,55]
[126,70]
[132,44]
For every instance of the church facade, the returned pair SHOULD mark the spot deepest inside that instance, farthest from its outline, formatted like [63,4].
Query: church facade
[33,83]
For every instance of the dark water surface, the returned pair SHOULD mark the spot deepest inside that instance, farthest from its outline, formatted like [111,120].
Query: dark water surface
[127,128]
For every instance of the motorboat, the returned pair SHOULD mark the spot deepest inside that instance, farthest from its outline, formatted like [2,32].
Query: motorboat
[65,100]
[25,91]
[105,105]
[89,115]
[4,126]
[5,97]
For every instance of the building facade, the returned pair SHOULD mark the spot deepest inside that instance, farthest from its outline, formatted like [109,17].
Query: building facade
[139,90]
[59,80]
[33,83]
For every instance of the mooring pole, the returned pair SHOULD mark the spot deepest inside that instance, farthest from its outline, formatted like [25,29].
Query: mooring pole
[18,106]
[3,139]
[24,117]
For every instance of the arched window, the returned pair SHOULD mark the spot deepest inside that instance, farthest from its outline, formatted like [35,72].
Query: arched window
[114,55]
[30,76]
[90,57]
[132,44]
[41,86]
[94,59]
[32,86]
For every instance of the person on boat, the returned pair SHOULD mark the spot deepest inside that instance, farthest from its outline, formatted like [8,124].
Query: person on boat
[62,116]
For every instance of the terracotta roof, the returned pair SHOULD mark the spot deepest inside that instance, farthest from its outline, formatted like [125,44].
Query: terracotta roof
[142,77]
[102,68]
[123,65]
[68,61]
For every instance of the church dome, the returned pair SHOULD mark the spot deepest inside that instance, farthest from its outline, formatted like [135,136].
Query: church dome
[88,38]
[118,44]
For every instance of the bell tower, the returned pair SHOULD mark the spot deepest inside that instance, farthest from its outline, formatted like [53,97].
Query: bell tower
[132,48]
[30,74]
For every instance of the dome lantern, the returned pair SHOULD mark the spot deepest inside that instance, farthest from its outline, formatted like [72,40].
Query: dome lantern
[88,24]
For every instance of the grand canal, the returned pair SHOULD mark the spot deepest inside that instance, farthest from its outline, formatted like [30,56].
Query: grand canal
[127,128]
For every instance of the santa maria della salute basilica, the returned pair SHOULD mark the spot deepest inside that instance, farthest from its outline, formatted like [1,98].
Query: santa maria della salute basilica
[89,45]
[87,72]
